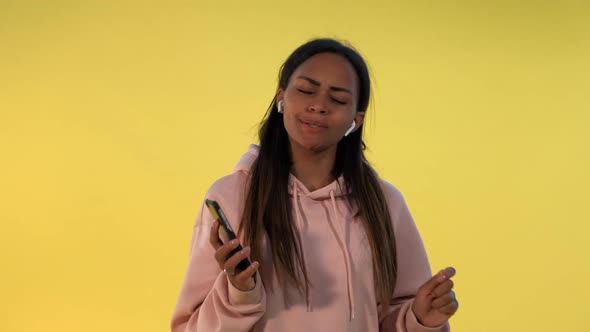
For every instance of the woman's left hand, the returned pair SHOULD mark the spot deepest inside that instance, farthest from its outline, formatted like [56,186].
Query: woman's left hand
[435,301]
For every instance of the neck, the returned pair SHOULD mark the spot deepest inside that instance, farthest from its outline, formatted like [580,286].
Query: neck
[313,168]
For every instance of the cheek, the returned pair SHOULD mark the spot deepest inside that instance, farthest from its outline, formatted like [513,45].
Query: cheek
[290,122]
[292,127]
[345,122]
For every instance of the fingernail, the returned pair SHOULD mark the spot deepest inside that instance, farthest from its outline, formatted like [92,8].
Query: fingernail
[451,271]
[233,242]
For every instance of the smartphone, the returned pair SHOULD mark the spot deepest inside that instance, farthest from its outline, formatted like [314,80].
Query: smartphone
[226,233]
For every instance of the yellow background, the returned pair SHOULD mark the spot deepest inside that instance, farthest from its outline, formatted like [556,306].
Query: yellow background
[116,116]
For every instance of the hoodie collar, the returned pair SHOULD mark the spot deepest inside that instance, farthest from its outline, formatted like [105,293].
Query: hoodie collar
[337,189]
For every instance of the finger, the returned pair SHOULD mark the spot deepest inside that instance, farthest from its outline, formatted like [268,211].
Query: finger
[247,273]
[231,263]
[440,277]
[443,300]
[443,288]
[450,308]
[214,236]
[224,251]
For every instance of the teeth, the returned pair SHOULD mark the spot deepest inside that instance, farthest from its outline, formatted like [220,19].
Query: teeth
[313,125]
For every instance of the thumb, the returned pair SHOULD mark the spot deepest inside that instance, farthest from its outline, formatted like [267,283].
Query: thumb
[428,287]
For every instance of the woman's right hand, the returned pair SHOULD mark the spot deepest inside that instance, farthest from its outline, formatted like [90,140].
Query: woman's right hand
[243,280]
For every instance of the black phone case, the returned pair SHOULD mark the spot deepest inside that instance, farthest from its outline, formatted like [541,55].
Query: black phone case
[218,215]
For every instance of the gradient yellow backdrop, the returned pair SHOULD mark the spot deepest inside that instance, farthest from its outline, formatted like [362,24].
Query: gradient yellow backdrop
[116,116]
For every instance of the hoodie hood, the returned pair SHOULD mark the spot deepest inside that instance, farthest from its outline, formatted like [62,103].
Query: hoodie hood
[247,159]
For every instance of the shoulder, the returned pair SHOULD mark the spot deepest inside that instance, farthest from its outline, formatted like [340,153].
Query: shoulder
[394,197]
[391,192]
[227,186]
[230,193]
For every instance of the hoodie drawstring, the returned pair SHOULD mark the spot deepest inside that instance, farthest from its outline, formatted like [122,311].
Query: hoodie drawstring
[346,255]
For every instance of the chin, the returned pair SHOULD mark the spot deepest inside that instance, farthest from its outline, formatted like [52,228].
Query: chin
[313,143]
[313,146]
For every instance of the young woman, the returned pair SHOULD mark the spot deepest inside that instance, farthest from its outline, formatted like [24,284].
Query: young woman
[333,247]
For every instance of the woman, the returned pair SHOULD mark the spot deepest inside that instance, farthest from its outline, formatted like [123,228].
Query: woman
[335,246]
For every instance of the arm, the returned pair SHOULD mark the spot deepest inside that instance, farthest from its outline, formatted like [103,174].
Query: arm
[413,269]
[207,301]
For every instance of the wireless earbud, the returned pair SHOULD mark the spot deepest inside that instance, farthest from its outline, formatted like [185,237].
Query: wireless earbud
[350,129]
[280,106]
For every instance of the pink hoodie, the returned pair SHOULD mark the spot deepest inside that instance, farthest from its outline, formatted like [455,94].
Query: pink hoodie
[337,256]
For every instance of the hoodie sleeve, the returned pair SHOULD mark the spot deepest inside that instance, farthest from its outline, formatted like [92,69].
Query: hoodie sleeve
[208,301]
[413,269]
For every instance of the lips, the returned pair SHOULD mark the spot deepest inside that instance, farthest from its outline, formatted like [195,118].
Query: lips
[313,124]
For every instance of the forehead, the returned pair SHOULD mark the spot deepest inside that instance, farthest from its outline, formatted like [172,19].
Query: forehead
[328,69]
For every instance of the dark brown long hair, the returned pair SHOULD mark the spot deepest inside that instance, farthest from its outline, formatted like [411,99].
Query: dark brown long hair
[268,207]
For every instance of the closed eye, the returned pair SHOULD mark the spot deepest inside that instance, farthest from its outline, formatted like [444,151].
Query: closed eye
[339,101]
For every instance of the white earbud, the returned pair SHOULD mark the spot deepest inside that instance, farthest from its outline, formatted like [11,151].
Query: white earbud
[350,129]
[280,106]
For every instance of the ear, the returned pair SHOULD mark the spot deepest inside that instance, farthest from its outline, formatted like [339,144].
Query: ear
[359,117]
[280,95]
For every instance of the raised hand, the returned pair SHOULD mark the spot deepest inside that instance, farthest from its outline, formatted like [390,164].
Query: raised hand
[435,301]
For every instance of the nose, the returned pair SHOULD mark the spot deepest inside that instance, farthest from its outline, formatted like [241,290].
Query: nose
[316,107]
[318,103]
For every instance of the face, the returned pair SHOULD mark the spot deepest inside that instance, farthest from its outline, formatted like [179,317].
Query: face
[319,103]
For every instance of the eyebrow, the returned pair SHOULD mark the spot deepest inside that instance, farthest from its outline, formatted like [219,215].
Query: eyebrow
[316,83]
